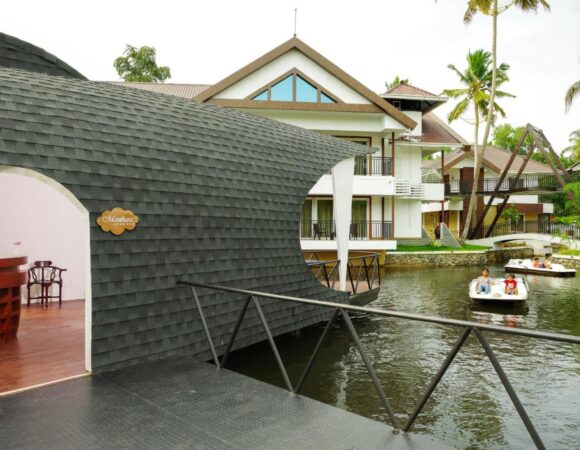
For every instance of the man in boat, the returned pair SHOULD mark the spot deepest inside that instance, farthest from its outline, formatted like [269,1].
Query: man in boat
[548,262]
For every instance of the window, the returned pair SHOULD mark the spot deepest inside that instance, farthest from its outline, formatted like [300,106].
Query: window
[261,96]
[305,92]
[282,91]
[294,87]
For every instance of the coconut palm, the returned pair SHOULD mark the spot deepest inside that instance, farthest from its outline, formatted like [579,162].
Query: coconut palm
[475,93]
[572,92]
[493,9]
[396,81]
[573,150]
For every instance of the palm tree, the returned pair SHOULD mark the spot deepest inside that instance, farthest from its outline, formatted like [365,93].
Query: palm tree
[572,92]
[396,81]
[573,150]
[491,8]
[477,92]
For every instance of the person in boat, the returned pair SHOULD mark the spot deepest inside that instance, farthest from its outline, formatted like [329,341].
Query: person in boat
[484,282]
[536,263]
[511,285]
[547,262]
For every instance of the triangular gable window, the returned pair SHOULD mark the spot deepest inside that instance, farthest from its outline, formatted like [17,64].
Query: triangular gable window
[293,86]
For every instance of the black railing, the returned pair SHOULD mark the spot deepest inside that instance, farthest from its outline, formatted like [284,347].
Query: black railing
[366,229]
[530,182]
[373,165]
[363,271]
[341,310]
[521,227]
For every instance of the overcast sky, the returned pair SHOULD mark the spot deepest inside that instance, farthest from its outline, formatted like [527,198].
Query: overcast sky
[202,42]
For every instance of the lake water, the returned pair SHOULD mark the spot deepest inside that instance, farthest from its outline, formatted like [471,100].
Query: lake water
[470,408]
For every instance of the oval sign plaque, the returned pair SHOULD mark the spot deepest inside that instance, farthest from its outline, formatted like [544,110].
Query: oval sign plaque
[117,221]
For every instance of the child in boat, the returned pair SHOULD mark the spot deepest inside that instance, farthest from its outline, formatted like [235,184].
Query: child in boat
[511,285]
[536,263]
[484,282]
[547,262]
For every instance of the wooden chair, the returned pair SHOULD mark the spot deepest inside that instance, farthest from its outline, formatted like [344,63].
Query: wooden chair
[318,231]
[44,275]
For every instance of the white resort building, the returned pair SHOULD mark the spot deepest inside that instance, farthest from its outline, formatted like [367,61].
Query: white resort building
[295,84]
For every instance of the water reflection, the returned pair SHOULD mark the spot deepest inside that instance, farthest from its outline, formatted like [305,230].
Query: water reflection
[470,408]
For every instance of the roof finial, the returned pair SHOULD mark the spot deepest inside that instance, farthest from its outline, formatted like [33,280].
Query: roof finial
[295,20]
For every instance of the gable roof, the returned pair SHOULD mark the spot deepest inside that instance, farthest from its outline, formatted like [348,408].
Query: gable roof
[494,158]
[408,91]
[183,90]
[296,44]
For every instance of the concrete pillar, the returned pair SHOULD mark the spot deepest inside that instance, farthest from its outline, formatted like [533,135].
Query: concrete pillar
[342,182]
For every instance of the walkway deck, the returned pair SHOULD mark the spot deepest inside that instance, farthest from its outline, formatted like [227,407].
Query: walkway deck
[182,403]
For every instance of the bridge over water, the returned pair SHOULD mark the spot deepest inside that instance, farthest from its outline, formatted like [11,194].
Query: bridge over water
[554,233]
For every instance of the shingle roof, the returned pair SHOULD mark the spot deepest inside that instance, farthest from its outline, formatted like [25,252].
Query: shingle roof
[184,90]
[436,131]
[494,158]
[218,193]
[407,90]
[19,54]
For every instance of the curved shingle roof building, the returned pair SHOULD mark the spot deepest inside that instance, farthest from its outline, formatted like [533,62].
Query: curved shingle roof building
[18,54]
[218,193]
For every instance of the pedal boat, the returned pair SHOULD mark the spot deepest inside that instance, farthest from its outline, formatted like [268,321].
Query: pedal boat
[527,266]
[498,291]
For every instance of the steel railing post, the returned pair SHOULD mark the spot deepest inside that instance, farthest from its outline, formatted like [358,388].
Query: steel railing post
[272,344]
[370,369]
[510,390]
[435,382]
[204,324]
[316,351]
[235,332]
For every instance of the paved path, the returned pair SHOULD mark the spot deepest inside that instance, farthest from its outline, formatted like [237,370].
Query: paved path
[184,404]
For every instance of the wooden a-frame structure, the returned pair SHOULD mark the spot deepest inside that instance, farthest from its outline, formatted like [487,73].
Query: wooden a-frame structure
[539,142]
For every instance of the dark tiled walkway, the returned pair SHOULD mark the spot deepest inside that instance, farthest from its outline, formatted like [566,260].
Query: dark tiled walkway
[184,404]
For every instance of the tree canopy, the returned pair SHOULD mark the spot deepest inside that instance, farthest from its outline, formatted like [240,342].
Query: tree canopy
[139,64]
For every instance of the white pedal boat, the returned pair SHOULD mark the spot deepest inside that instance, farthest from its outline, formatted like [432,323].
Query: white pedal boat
[498,291]
[527,266]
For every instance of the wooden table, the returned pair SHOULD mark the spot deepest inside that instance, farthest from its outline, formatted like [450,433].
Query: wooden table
[12,277]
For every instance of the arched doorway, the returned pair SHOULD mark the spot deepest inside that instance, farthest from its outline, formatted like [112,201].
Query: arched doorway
[43,220]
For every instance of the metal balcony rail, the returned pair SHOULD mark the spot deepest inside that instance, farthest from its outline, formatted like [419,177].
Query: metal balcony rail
[363,271]
[520,227]
[479,329]
[373,165]
[530,182]
[365,229]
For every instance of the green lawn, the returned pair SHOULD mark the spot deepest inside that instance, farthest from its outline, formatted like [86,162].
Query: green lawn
[429,248]
[568,251]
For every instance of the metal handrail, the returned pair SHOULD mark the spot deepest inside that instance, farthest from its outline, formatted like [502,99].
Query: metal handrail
[519,227]
[367,272]
[343,310]
[528,182]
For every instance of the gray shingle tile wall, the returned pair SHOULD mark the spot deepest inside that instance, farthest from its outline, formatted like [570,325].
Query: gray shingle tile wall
[218,193]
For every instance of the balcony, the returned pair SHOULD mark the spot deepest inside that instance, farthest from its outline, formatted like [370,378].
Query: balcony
[325,229]
[373,165]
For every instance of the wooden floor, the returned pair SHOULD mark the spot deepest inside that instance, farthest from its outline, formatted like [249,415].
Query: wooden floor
[50,346]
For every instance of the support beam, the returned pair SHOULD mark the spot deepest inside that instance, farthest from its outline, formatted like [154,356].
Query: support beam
[342,186]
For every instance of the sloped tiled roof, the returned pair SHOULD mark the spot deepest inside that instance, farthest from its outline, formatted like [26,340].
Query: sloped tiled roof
[18,54]
[184,90]
[436,131]
[407,90]
[218,193]
[494,158]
